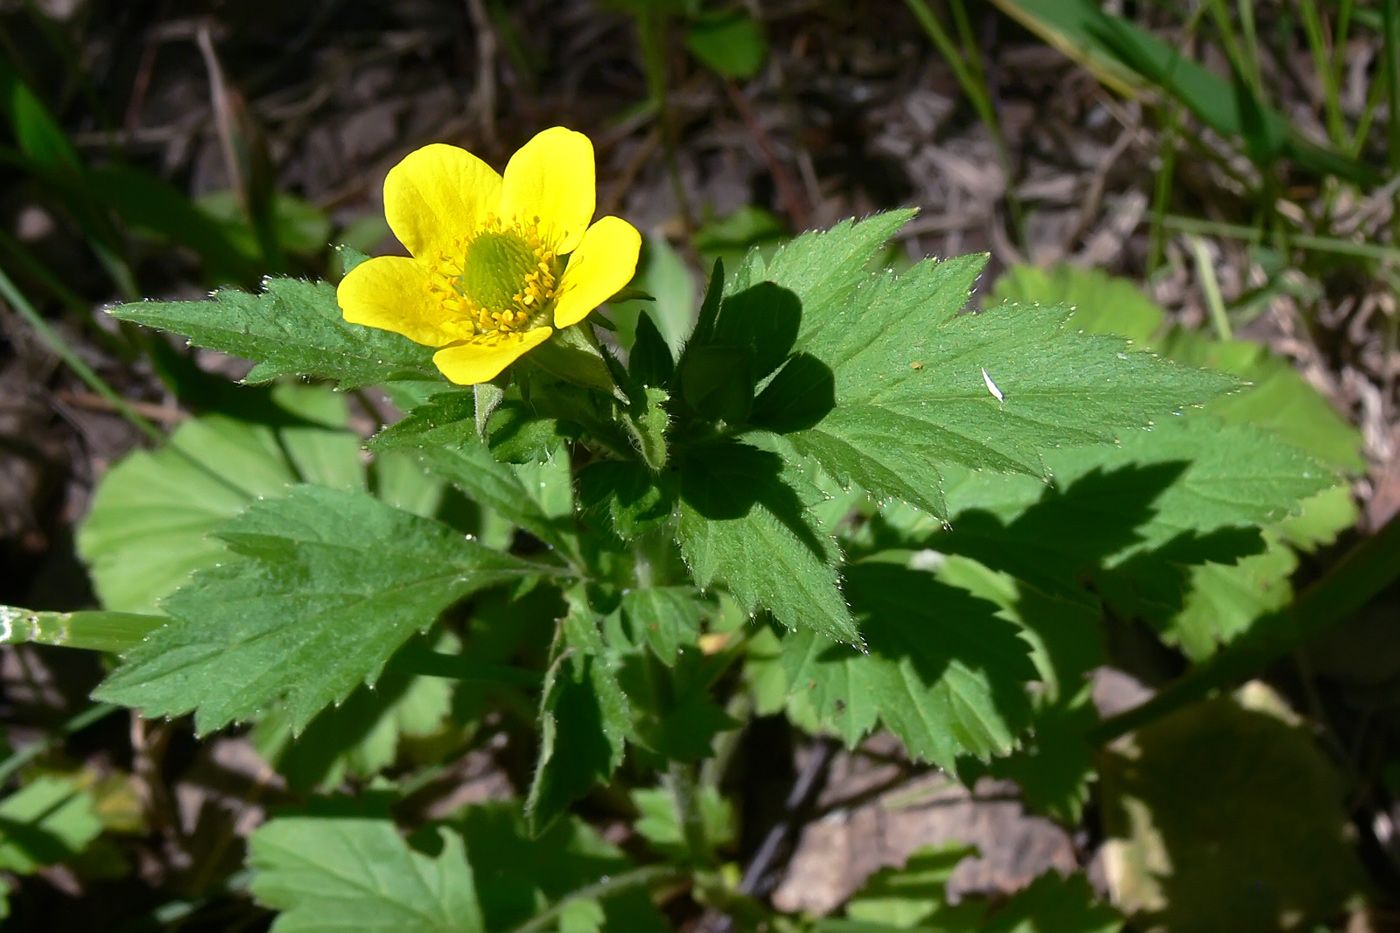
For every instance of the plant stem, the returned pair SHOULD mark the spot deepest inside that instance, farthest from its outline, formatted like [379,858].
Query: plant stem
[607,887]
[1215,304]
[681,780]
[60,347]
[1366,570]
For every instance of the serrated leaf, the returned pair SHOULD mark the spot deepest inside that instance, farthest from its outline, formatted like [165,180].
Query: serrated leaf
[445,419]
[312,606]
[741,520]
[292,327]
[361,736]
[942,671]
[666,618]
[1098,303]
[359,874]
[585,719]
[625,497]
[1000,390]
[46,821]
[472,468]
[1189,491]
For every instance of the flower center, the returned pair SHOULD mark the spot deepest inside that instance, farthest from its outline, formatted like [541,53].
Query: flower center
[505,280]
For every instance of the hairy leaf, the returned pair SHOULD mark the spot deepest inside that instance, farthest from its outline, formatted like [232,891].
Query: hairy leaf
[292,327]
[326,585]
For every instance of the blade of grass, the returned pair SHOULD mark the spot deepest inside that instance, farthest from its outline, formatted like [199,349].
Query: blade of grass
[970,76]
[63,351]
[1215,304]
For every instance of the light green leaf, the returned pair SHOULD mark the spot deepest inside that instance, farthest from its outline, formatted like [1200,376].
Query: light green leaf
[292,328]
[151,516]
[1098,303]
[46,821]
[96,630]
[359,874]
[887,381]
[942,670]
[742,520]
[660,824]
[1280,400]
[912,897]
[313,605]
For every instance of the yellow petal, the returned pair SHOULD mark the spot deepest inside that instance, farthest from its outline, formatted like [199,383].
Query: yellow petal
[391,293]
[551,177]
[469,363]
[438,193]
[603,263]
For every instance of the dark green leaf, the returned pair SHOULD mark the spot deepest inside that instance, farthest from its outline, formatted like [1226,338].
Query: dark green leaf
[291,328]
[727,41]
[46,821]
[314,607]
[942,670]
[742,520]
[625,497]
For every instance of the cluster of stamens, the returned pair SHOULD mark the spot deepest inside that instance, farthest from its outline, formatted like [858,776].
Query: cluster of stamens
[498,279]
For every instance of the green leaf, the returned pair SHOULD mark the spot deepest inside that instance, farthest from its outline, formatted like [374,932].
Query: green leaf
[624,497]
[728,42]
[942,670]
[361,736]
[1189,491]
[647,424]
[518,876]
[359,874]
[471,467]
[665,617]
[1055,904]
[1280,400]
[742,520]
[448,418]
[912,897]
[312,606]
[291,328]
[660,824]
[148,528]
[46,821]
[664,275]
[585,719]
[916,386]
[1099,303]
[96,630]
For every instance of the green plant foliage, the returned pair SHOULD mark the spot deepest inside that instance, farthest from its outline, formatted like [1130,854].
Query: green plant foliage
[887,382]
[667,618]
[911,897]
[292,328]
[741,520]
[660,823]
[1099,303]
[1051,904]
[728,42]
[46,821]
[585,719]
[329,874]
[314,607]
[149,525]
[940,670]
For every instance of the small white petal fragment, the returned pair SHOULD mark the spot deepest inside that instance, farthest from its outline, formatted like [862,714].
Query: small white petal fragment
[992,386]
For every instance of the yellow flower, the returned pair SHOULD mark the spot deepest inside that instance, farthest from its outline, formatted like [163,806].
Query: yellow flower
[497,263]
